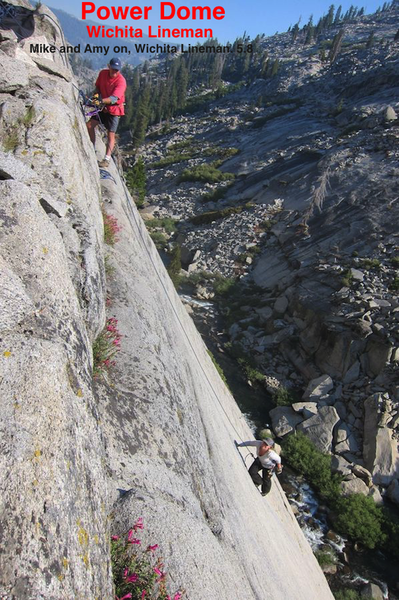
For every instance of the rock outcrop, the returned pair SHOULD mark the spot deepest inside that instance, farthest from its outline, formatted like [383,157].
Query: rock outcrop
[319,428]
[380,447]
[83,460]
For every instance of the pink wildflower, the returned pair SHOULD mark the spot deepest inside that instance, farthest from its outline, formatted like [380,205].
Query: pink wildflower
[126,597]
[178,596]
[131,539]
[161,574]
[138,524]
[115,538]
[143,594]
[130,578]
[152,548]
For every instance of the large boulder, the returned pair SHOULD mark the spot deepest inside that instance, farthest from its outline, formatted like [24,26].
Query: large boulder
[281,305]
[354,486]
[317,388]
[372,591]
[377,355]
[341,466]
[364,474]
[375,494]
[265,313]
[390,114]
[352,373]
[380,450]
[393,491]
[284,420]
[308,409]
[337,353]
[345,440]
[319,428]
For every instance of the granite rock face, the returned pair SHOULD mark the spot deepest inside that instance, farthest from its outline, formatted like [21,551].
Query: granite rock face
[319,428]
[161,431]
[168,424]
[53,483]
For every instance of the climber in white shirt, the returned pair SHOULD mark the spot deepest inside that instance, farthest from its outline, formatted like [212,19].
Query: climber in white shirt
[267,460]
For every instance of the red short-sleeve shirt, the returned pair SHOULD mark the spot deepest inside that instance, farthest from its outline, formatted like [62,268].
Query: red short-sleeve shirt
[112,86]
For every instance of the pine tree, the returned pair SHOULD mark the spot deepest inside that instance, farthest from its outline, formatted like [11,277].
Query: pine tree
[309,35]
[352,13]
[275,67]
[338,15]
[265,65]
[129,109]
[370,41]
[330,16]
[142,117]
[336,46]
[182,85]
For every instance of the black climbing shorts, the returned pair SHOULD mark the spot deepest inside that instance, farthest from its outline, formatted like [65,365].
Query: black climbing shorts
[110,122]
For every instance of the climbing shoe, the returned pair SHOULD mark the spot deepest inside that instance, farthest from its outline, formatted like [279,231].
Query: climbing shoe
[104,163]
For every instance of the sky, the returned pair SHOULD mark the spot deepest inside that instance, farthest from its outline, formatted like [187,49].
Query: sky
[253,16]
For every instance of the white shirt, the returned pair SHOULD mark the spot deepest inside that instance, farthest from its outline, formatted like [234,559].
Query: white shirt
[269,460]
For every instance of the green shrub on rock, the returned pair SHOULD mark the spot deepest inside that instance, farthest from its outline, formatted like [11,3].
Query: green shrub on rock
[360,518]
[174,266]
[316,466]
[325,558]
[206,173]
[136,182]
[347,594]
[223,286]
[159,239]
[283,397]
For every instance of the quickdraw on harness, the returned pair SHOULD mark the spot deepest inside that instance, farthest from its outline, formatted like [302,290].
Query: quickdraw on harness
[91,107]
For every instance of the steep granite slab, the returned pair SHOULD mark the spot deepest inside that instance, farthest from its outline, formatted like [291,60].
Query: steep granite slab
[170,425]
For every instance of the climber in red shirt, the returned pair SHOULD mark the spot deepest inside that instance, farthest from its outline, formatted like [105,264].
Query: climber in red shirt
[111,85]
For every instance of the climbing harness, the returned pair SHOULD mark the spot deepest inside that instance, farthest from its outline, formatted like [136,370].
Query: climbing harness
[91,107]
